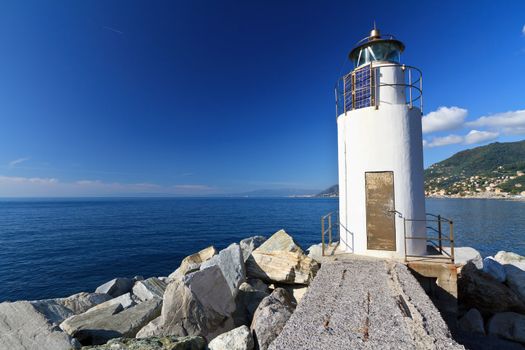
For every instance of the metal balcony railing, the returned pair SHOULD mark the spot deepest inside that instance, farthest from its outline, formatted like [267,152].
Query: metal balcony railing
[361,87]
[329,228]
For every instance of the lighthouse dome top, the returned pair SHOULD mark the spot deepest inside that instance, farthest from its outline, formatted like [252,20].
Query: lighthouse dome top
[376,47]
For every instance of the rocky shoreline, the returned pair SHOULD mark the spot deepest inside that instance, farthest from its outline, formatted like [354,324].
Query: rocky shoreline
[237,298]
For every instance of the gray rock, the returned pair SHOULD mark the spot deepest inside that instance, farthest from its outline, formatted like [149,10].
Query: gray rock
[23,326]
[230,261]
[481,291]
[198,306]
[97,327]
[54,311]
[259,285]
[494,268]
[281,260]
[138,278]
[248,245]
[505,258]
[153,343]
[464,255]
[148,289]
[125,300]
[316,252]
[116,287]
[247,301]
[211,288]
[296,291]
[270,317]
[515,279]
[508,325]
[81,302]
[193,262]
[237,339]
[472,321]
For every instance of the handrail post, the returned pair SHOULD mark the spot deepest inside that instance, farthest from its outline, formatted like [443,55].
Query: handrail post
[439,233]
[410,87]
[451,240]
[322,236]
[405,234]
[329,229]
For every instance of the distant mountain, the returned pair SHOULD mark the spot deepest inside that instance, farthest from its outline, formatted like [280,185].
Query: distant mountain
[280,192]
[332,191]
[497,168]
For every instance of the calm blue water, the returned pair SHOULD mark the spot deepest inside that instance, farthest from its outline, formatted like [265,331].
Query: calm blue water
[52,248]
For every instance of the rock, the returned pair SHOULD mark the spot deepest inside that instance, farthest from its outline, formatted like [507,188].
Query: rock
[464,255]
[230,261]
[248,245]
[116,287]
[259,285]
[508,325]
[125,300]
[193,262]
[472,321]
[153,343]
[316,251]
[138,278]
[247,301]
[54,311]
[23,326]
[201,304]
[211,288]
[81,302]
[237,339]
[97,327]
[297,292]
[510,258]
[280,259]
[494,268]
[148,289]
[483,292]
[270,317]
[515,279]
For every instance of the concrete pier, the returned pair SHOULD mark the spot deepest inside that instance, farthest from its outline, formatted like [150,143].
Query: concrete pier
[365,303]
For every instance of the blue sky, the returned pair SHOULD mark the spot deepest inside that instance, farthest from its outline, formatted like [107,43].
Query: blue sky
[211,97]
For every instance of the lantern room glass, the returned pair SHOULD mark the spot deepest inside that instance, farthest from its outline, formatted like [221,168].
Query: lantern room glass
[389,51]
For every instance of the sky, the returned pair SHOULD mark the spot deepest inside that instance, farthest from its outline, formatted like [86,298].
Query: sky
[103,98]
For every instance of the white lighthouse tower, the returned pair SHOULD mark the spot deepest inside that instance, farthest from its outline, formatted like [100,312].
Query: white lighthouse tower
[379,109]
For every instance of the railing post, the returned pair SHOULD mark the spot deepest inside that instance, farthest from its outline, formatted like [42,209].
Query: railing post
[439,233]
[322,236]
[329,229]
[451,240]
[405,234]
[410,87]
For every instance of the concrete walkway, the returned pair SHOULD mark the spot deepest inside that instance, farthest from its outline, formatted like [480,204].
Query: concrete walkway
[365,304]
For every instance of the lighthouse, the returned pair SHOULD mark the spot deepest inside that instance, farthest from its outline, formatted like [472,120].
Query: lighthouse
[380,152]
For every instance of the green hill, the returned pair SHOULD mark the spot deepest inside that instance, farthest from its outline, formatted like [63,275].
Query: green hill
[492,168]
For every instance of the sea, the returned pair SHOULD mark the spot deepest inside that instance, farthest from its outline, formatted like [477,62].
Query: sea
[57,247]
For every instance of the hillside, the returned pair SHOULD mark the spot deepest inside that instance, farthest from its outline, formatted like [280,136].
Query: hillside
[498,168]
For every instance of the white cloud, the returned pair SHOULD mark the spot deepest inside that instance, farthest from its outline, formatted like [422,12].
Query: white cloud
[476,136]
[510,119]
[444,118]
[11,186]
[523,30]
[15,162]
[443,141]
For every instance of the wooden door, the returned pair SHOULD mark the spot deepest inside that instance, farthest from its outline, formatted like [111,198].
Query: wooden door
[380,215]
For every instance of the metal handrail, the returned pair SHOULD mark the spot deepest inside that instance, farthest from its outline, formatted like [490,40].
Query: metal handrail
[343,95]
[437,242]
[329,229]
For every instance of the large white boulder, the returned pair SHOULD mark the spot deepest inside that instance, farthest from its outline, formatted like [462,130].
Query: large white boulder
[248,245]
[508,325]
[472,321]
[193,262]
[281,260]
[148,289]
[230,261]
[125,301]
[116,287]
[464,255]
[99,326]
[505,258]
[80,302]
[494,268]
[237,339]
[26,326]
